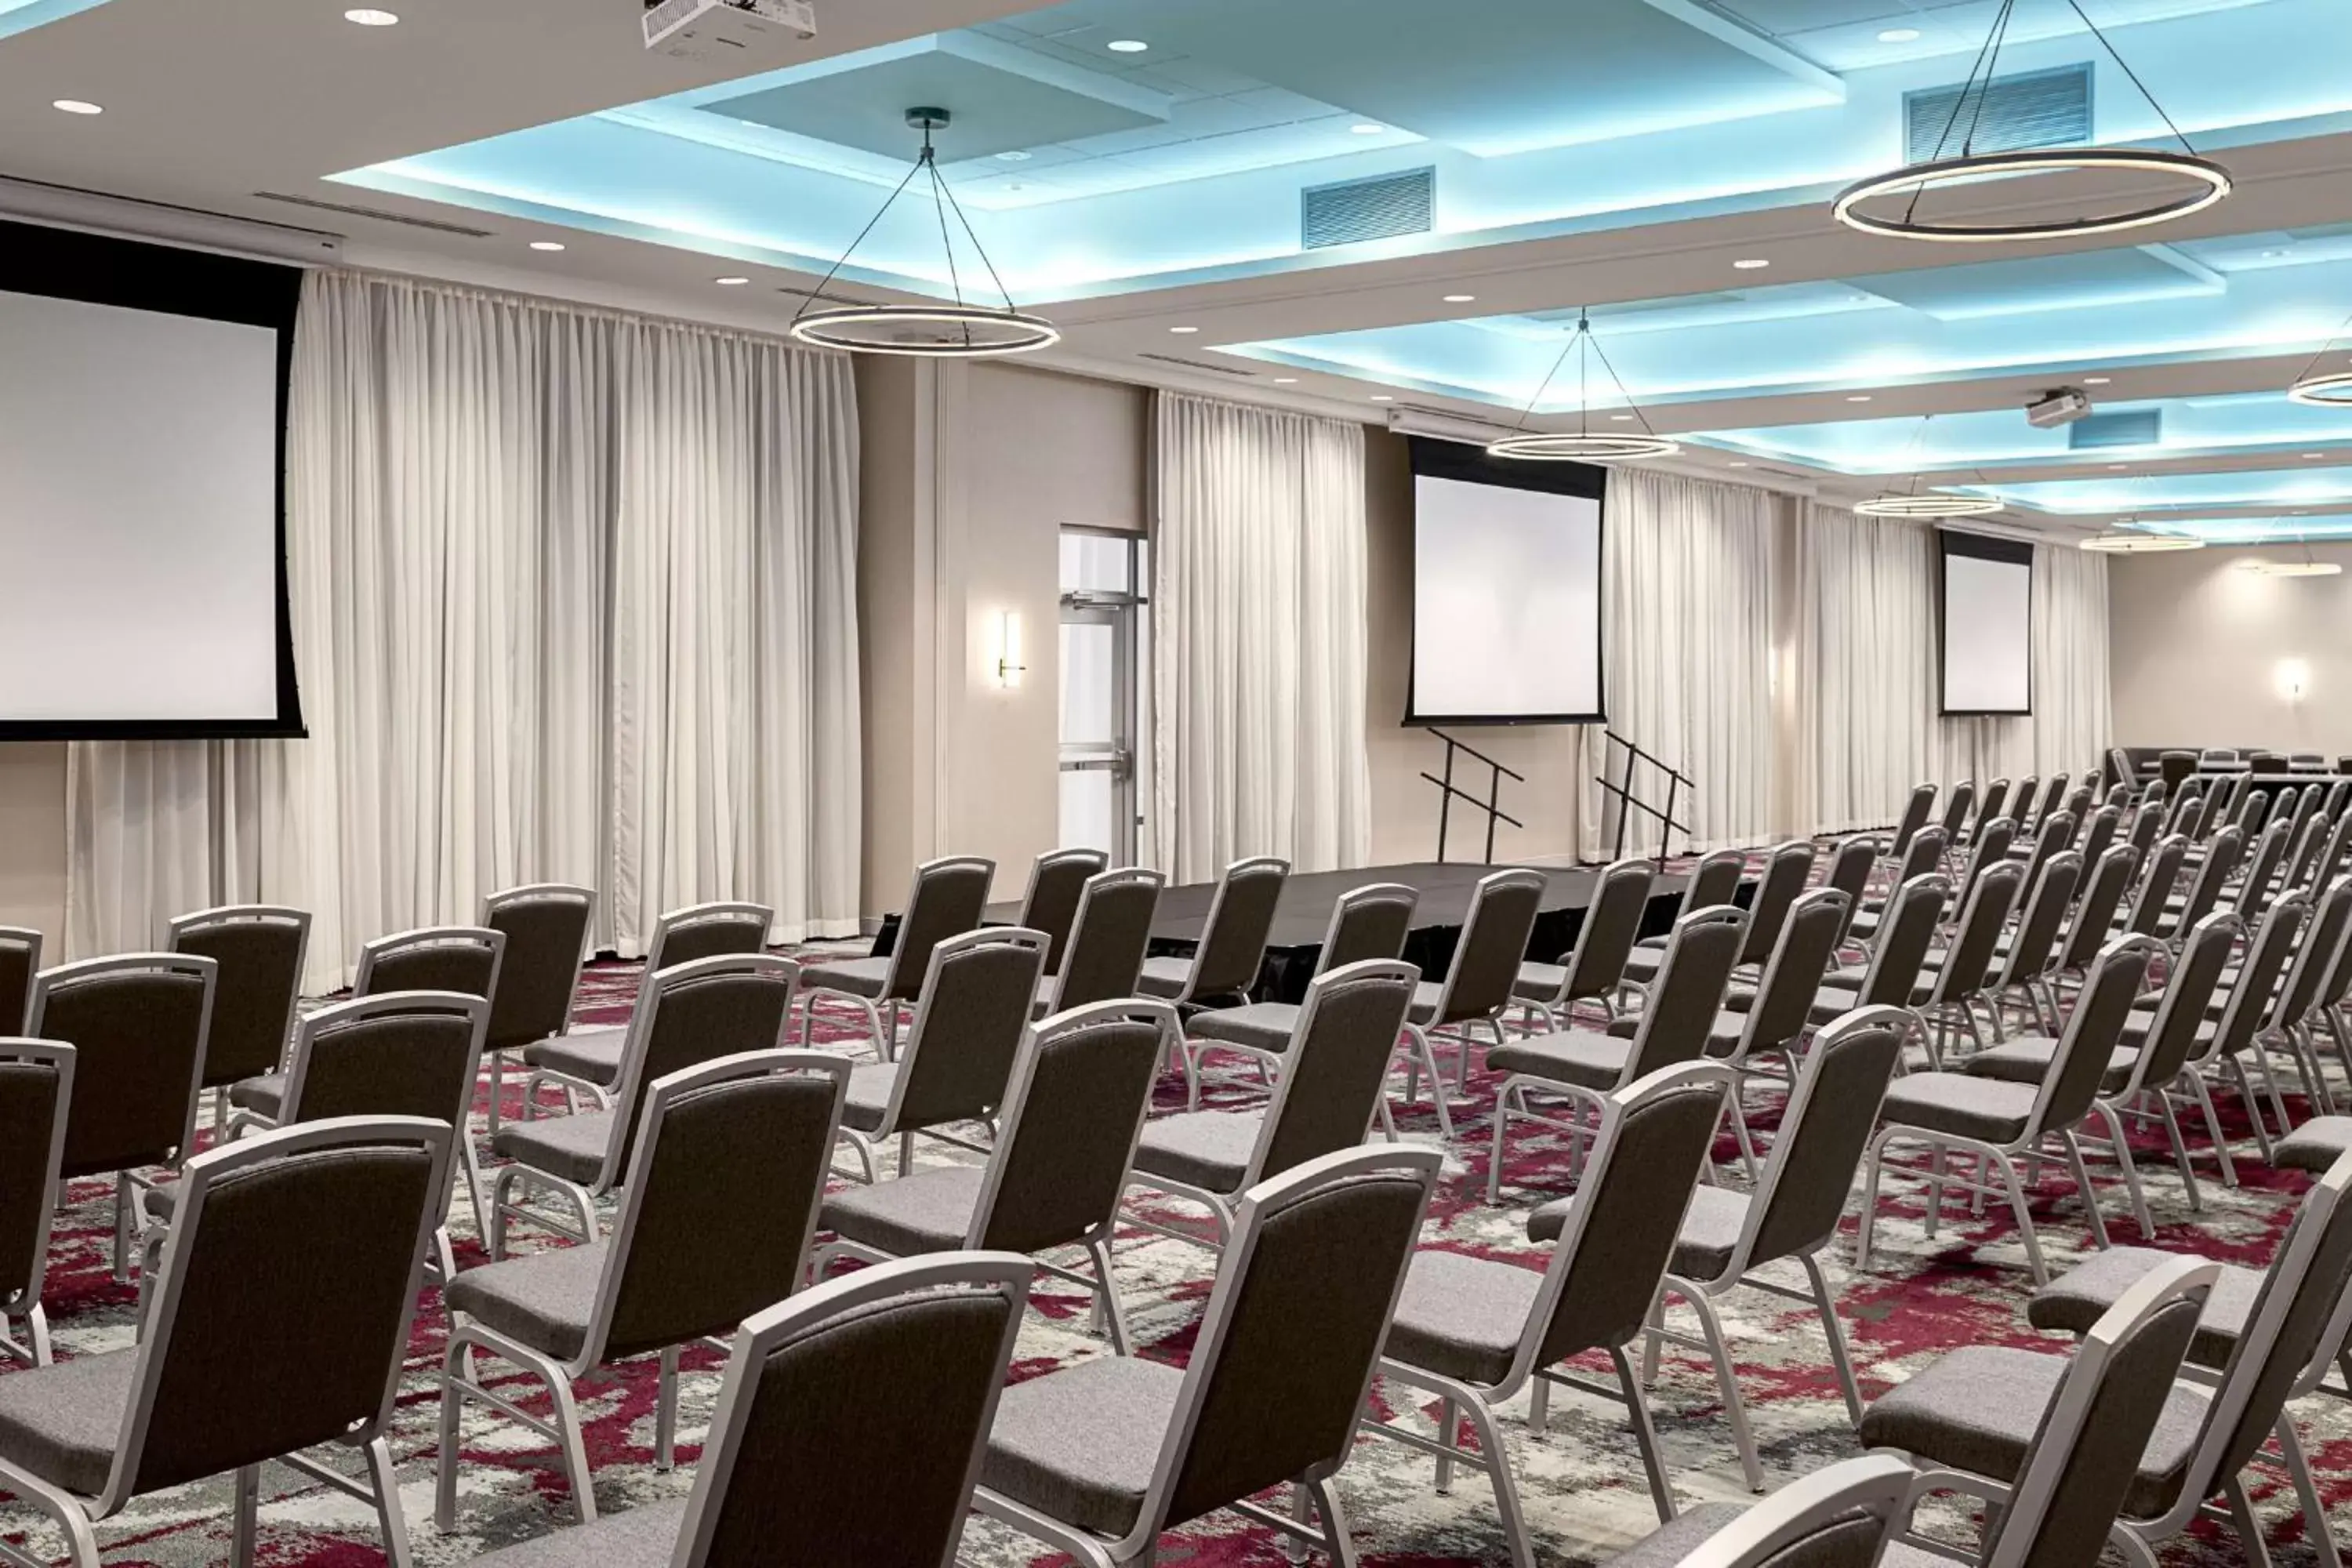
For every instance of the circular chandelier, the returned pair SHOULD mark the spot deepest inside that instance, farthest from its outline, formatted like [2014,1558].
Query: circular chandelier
[1954,161]
[1927,505]
[2304,568]
[2126,538]
[1584,443]
[2325,391]
[938,330]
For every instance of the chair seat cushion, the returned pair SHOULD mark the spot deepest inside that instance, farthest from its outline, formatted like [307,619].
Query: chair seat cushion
[867,1097]
[1206,1148]
[930,1211]
[1576,1056]
[592,1056]
[1165,978]
[1463,1317]
[1702,1248]
[2073,1301]
[1986,1108]
[1540,981]
[645,1536]
[1723,1035]
[266,1094]
[1977,1408]
[2138,1022]
[62,1422]
[571,1147]
[1261,1026]
[1079,1444]
[2027,1058]
[544,1299]
[2314,1146]
[1670,1544]
[868,977]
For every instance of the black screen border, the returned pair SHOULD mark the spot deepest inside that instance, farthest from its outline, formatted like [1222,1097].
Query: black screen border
[1951,542]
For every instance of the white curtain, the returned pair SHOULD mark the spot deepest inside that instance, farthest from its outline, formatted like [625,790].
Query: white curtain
[1258,630]
[572,599]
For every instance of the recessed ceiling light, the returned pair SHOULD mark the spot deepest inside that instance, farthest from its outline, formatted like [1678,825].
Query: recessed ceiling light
[1286,379]
[2272,254]
[1859,397]
[1460,299]
[1012,155]
[2119,465]
[1735,463]
[1368,129]
[2312,456]
[1127,46]
[77,106]
[730,282]
[1750,263]
[547,244]
[1899,36]
[369,17]
[1620,417]
[1183,330]
[2096,380]
[1383,397]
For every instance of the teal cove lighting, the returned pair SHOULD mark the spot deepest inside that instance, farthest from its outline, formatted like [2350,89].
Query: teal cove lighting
[23,15]
[2151,495]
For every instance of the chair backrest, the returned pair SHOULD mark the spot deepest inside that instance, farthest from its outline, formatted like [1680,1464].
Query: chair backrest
[2335,850]
[2148,914]
[137,1024]
[1109,937]
[2188,808]
[1968,961]
[2315,956]
[1996,796]
[1925,854]
[2249,807]
[1371,921]
[2093,1031]
[1492,944]
[918,1349]
[1073,1111]
[692,1014]
[2336,983]
[949,897]
[1302,1303]
[1785,871]
[2098,832]
[1957,806]
[708,931]
[2218,757]
[2084,1455]
[2053,794]
[1792,975]
[1611,926]
[2096,910]
[1337,1067]
[1841,1516]
[464,959]
[2119,763]
[2205,892]
[715,1222]
[2033,949]
[259,948]
[2148,823]
[1905,933]
[2256,986]
[1991,848]
[403,1053]
[2310,839]
[1824,1133]
[1057,879]
[1604,1271]
[1241,917]
[2054,834]
[2021,809]
[1674,1024]
[259,1342]
[2189,987]
[1851,864]
[20,959]
[1714,881]
[2340,794]
[2254,892]
[968,1027]
[546,927]
[1914,817]
[36,1091]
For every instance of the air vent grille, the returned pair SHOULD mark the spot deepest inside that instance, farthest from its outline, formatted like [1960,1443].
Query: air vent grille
[1198,365]
[2124,428]
[1377,208]
[376,214]
[2034,108]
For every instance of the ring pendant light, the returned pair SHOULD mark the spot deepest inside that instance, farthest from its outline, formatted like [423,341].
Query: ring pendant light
[1582,444]
[2325,391]
[2206,182]
[938,330]
[2129,536]
[1926,506]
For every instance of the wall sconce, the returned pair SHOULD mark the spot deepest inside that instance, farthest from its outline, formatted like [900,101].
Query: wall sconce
[1009,668]
[2292,677]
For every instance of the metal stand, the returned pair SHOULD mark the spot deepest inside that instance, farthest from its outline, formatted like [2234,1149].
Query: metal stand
[1491,805]
[1628,802]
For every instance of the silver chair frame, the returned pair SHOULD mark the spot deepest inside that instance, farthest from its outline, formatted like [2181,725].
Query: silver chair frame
[227,915]
[58,1058]
[493,905]
[1423,1057]
[374,952]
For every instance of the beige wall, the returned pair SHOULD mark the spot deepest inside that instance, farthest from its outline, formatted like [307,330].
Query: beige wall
[2197,646]
[33,840]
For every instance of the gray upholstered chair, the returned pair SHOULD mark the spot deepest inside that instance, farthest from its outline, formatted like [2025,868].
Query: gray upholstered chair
[2285,1029]
[1595,968]
[2328,1006]
[1474,1331]
[1785,871]
[1839,1516]
[1989,809]
[1727,1236]
[548,927]
[1110,932]
[1079,1089]
[1990,848]
[138,1024]
[1099,1458]
[2093,919]
[1852,861]
[2054,794]
[1921,806]
[2056,833]
[959,1055]
[712,1008]
[2254,889]
[714,1226]
[1057,883]
[2235,1040]
[2002,1122]
[1225,966]
[1898,956]
[260,950]
[1947,985]
[260,1342]
[2147,827]
[20,959]
[2026,956]
[1478,980]
[1367,923]
[947,898]
[1585,1068]
[1330,1090]
[1925,856]
[1957,806]
[2161,875]
[588,1061]
[2099,830]
[913,1354]
[464,959]
[2051,1442]
[36,1091]
[1714,881]
[2028,797]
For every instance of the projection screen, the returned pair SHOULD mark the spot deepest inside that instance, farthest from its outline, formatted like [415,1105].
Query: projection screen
[1986,620]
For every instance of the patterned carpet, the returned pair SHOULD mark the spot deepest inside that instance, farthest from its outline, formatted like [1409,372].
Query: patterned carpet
[1581,1481]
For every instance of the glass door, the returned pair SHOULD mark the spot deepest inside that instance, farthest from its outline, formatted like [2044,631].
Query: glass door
[1105,681]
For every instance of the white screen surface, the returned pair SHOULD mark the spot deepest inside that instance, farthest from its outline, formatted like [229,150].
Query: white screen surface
[138,516]
[1988,636]
[1506,602]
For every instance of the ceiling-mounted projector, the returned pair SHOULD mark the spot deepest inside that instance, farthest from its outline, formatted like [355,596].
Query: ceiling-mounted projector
[2059,405]
[700,29]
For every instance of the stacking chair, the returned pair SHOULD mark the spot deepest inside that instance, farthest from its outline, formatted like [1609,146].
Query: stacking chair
[1924,856]
[1785,871]
[918,1349]
[1474,1331]
[2099,830]
[959,1055]
[1957,806]
[1898,956]
[1330,1090]
[1595,968]
[2147,826]
[20,959]
[1223,967]
[463,959]
[1097,1458]
[259,948]
[730,1005]
[260,1342]
[1715,880]
[138,1025]
[947,898]
[2055,797]
[715,1227]
[2254,890]
[2001,1121]
[2163,874]
[2237,1036]
[546,926]
[36,1091]
[2186,808]
[1586,1067]
[2175,768]
[1057,883]
[2092,920]
[1839,1516]
[1477,983]
[588,1061]
[1989,810]
[1990,848]
[1727,1235]
[2221,856]
[1916,812]
[2020,808]
[1111,931]
[1851,864]
[2284,1029]
[1944,996]
[2028,956]
[1077,1099]
[1369,921]
[2057,832]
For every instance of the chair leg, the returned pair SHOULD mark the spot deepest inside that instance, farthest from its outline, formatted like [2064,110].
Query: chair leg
[1498,1474]
[1449,1428]
[2114,1124]
[666,1413]
[1869,1200]
[122,1227]
[2213,1127]
[1645,1437]
[1734,1409]
[2245,1087]
[2181,1151]
[1841,1356]
[1335,1522]
[498,1061]
[1935,1187]
[1494,1147]
[36,1332]
[245,1524]
[2307,1492]
[573,1446]
[1107,1303]
[469,1169]
[392,1523]
[457,1373]
[2025,1224]
[2249,1529]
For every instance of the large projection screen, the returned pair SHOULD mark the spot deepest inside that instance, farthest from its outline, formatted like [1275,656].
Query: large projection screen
[142,398]
[1506,590]
[1986,621]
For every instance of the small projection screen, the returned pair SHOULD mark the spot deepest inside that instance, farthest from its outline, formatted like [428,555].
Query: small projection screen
[1506,589]
[142,418]
[1986,620]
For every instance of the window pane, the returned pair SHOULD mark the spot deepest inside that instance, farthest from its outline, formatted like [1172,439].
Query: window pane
[1094,562]
[1086,796]
[1089,708]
